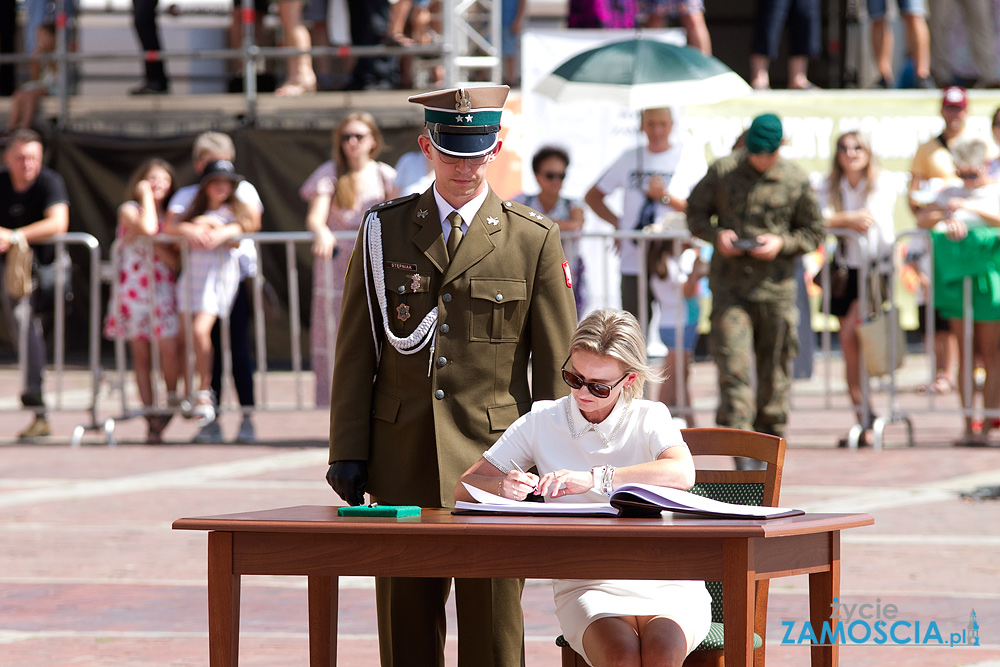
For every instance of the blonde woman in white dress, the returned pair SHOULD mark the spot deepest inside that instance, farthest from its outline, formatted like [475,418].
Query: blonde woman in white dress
[584,446]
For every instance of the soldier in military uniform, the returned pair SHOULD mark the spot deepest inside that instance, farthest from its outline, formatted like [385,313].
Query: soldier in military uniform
[760,213]
[447,296]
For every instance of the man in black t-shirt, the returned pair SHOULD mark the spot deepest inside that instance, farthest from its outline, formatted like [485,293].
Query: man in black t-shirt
[33,207]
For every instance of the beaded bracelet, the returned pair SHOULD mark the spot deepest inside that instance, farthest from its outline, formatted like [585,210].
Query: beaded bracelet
[603,478]
[609,475]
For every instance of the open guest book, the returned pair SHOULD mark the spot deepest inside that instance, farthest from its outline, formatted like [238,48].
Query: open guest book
[630,500]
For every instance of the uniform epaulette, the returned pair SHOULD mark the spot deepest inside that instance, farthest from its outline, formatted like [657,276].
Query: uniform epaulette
[527,212]
[394,202]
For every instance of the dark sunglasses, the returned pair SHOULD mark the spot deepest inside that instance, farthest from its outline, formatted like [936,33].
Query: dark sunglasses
[968,175]
[347,137]
[598,389]
[850,149]
[554,175]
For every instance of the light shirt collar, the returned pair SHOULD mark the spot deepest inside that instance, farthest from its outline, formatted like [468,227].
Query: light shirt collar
[607,426]
[468,211]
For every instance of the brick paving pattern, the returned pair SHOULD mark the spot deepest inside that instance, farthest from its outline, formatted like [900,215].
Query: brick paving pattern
[93,575]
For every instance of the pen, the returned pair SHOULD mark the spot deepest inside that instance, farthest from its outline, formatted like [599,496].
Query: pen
[534,489]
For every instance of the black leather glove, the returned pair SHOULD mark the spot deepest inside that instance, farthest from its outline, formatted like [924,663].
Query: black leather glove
[348,479]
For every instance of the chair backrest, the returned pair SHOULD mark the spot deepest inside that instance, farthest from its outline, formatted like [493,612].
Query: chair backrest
[745,487]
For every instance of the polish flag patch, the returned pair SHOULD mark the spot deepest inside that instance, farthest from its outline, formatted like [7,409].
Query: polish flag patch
[568,274]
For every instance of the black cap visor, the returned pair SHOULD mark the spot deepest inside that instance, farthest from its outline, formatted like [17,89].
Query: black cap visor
[465,144]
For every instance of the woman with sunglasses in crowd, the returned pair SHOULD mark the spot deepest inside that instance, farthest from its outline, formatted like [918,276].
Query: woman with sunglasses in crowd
[857,197]
[549,165]
[963,221]
[584,446]
[339,192]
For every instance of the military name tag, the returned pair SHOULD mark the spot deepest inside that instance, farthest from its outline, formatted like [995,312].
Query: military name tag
[402,266]
[402,312]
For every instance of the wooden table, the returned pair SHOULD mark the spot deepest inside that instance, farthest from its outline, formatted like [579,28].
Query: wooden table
[315,542]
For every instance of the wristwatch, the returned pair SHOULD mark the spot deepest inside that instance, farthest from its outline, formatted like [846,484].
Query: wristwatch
[665,200]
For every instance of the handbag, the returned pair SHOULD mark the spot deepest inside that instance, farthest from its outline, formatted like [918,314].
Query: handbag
[838,274]
[875,333]
[17,269]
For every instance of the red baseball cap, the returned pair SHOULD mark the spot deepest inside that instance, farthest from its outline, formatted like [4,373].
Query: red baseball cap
[954,96]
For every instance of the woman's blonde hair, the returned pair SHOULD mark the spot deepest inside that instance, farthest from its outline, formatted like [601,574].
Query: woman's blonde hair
[616,333]
[837,172]
[345,193]
[969,152]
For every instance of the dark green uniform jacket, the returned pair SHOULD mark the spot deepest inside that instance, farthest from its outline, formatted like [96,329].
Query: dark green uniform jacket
[421,419]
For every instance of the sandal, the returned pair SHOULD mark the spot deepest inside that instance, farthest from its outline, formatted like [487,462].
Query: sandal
[295,89]
[942,384]
[204,406]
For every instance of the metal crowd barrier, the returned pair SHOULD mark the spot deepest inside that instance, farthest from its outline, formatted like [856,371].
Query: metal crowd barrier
[463,49]
[967,379]
[62,264]
[643,238]
[291,239]
[287,239]
[867,263]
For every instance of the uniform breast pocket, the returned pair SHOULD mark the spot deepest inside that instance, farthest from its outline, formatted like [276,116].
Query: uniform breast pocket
[408,299]
[498,306]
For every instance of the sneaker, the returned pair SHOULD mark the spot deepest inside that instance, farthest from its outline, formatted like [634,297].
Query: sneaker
[246,435]
[38,429]
[210,433]
[925,82]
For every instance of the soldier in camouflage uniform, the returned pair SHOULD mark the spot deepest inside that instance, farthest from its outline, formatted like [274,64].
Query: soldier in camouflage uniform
[760,213]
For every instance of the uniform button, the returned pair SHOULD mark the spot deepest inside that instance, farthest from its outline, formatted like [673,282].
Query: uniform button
[748,270]
[400,289]
[507,203]
[445,328]
[439,394]
[442,361]
[446,297]
[499,297]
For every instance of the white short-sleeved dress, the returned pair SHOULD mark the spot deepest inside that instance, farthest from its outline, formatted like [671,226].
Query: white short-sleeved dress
[541,438]
[209,280]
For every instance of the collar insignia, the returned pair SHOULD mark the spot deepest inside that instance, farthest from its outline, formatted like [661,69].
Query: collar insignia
[492,221]
[422,213]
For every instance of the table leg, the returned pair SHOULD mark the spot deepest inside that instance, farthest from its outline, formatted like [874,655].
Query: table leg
[323,608]
[223,602]
[823,588]
[738,592]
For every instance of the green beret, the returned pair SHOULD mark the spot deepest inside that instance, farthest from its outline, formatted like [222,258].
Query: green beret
[764,135]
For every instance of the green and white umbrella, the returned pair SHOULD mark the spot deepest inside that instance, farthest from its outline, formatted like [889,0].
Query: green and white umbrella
[643,74]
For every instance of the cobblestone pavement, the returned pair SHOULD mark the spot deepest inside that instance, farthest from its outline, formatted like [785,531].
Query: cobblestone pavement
[93,575]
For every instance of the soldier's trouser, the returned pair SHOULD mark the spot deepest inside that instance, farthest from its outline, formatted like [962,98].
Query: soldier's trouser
[411,621]
[742,331]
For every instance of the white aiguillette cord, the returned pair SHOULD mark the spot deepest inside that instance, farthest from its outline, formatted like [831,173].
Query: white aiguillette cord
[422,335]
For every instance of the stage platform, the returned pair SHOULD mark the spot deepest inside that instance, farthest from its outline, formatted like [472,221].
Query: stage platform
[166,115]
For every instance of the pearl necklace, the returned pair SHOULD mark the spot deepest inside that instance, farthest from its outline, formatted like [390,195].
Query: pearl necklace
[576,435]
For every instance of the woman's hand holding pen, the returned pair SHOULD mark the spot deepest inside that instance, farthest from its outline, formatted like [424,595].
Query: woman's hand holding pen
[517,485]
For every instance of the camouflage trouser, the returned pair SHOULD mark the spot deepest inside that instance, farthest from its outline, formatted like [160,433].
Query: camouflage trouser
[742,331]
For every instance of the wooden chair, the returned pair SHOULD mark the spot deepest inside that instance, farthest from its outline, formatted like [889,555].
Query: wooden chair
[746,487]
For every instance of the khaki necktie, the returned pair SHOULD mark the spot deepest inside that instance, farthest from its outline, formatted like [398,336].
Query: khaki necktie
[456,234]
